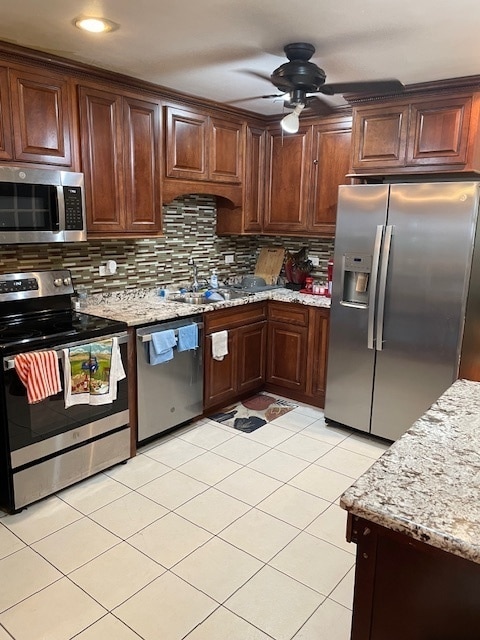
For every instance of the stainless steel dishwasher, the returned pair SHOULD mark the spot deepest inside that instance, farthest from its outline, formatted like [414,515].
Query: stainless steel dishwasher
[169,393]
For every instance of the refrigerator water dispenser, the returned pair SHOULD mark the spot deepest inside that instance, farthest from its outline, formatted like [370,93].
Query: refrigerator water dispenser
[356,275]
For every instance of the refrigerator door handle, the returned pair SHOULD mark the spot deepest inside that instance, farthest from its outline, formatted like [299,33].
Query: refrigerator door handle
[387,243]
[373,286]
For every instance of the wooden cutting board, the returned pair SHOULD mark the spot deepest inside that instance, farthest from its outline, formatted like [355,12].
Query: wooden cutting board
[269,264]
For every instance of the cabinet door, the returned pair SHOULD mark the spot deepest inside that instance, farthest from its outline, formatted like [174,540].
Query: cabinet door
[289,161]
[317,354]
[220,375]
[439,132]
[102,159]
[6,144]
[186,144]
[287,356]
[379,137]
[254,188]
[251,344]
[41,118]
[225,151]
[142,165]
[332,149]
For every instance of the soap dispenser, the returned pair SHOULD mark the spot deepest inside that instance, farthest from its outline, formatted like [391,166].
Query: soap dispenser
[214,279]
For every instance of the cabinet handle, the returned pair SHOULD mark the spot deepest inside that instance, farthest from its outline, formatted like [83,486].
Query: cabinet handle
[315,162]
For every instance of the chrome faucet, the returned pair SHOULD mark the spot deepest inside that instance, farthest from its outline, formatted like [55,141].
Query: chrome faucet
[195,283]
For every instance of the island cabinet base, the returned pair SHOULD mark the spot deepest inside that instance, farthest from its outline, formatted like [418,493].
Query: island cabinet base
[408,590]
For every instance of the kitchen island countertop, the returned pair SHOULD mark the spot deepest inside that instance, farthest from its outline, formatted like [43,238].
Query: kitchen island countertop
[143,306]
[427,485]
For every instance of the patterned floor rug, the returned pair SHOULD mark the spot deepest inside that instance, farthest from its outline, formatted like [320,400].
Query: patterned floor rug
[254,412]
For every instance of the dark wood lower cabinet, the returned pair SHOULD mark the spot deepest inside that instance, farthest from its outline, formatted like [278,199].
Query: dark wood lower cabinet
[297,351]
[251,343]
[408,590]
[220,378]
[287,348]
[242,371]
[277,346]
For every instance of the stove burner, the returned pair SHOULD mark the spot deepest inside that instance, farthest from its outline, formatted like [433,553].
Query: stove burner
[61,327]
[13,335]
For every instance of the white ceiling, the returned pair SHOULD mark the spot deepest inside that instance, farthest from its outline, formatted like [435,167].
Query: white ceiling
[203,47]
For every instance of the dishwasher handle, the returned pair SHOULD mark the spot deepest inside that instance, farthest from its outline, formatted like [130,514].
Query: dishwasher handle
[147,337]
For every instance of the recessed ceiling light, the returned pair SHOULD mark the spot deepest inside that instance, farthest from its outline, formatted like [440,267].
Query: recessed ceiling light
[96,25]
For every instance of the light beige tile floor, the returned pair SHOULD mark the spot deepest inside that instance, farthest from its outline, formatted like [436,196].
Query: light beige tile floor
[208,534]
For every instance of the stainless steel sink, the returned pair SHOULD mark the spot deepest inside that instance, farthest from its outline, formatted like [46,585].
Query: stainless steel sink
[188,298]
[201,298]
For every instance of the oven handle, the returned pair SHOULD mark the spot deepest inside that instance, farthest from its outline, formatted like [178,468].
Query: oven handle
[147,337]
[9,363]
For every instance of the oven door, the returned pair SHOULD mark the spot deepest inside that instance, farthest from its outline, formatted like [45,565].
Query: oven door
[37,430]
[39,439]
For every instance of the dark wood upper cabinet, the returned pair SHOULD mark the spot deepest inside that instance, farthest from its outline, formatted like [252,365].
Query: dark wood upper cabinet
[303,173]
[434,135]
[142,165]
[102,159]
[379,136]
[254,195]
[331,151]
[37,117]
[226,142]
[247,217]
[120,137]
[186,155]
[438,133]
[203,147]
[6,142]
[289,172]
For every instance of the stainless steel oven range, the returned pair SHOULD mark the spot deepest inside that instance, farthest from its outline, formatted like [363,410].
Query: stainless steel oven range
[50,444]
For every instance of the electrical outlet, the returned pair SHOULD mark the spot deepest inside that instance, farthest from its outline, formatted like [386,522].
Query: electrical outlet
[102,270]
[315,260]
[229,258]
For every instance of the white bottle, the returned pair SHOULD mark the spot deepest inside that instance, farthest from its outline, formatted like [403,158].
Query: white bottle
[214,279]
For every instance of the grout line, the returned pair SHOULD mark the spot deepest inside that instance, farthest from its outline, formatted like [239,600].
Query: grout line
[177,468]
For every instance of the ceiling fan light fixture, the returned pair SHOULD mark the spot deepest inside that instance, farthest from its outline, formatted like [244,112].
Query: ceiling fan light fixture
[291,122]
[95,25]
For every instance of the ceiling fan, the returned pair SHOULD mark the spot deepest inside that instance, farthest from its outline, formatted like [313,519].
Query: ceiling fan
[300,78]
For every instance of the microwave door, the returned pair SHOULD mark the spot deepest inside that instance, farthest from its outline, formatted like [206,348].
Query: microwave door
[28,212]
[41,206]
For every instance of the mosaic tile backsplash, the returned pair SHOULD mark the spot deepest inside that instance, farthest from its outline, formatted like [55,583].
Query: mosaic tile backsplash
[189,227]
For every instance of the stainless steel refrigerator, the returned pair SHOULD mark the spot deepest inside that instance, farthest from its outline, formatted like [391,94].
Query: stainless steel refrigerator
[402,267]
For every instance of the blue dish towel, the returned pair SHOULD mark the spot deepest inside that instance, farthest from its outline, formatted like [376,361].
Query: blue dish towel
[188,337]
[161,346]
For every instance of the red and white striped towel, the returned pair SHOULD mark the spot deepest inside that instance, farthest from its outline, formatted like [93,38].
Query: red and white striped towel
[40,373]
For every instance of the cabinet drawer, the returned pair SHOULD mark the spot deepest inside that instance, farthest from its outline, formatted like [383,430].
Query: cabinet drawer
[290,313]
[234,316]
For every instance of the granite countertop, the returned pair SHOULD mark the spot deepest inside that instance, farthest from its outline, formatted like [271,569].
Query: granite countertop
[427,485]
[143,306]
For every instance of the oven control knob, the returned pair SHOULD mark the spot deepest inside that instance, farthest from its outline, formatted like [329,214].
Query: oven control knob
[57,282]
[67,281]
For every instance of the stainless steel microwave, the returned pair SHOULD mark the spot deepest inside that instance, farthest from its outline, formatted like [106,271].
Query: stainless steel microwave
[41,205]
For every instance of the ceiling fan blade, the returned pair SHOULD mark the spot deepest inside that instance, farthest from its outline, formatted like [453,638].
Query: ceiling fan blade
[272,95]
[368,86]
[282,84]
[257,74]
[319,106]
